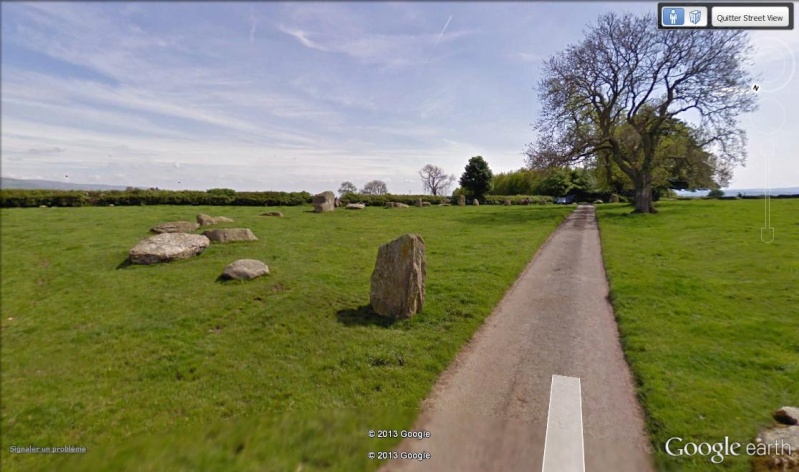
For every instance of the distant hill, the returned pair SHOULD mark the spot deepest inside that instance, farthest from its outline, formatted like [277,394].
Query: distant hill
[8,183]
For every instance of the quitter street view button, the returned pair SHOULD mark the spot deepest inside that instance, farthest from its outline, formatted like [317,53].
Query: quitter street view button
[751,16]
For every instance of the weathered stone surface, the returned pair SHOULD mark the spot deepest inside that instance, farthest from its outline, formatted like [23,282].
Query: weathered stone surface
[230,234]
[205,220]
[787,415]
[398,279]
[400,205]
[273,213]
[444,204]
[462,200]
[426,204]
[324,201]
[245,269]
[390,204]
[614,199]
[782,439]
[223,219]
[167,247]
[476,202]
[175,227]
[42,206]
[356,206]
[508,202]
[598,202]
[419,202]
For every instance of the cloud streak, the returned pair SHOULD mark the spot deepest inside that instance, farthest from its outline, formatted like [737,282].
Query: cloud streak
[442,30]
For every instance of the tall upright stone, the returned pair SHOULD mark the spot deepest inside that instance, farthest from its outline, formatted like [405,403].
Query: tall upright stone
[324,201]
[398,280]
[476,202]
[507,202]
[462,200]
[419,202]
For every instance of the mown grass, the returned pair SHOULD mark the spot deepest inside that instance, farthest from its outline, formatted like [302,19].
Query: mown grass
[165,368]
[709,316]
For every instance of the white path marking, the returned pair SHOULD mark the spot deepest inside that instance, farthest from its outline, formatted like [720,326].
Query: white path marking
[563,445]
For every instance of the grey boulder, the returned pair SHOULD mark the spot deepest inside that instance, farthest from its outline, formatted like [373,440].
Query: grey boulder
[356,206]
[167,247]
[205,220]
[175,227]
[245,269]
[230,234]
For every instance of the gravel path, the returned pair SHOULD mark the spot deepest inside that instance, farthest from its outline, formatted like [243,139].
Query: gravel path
[488,411]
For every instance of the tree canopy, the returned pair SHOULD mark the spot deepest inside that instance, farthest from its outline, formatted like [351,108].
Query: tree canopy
[435,180]
[347,187]
[477,176]
[375,187]
[612,99]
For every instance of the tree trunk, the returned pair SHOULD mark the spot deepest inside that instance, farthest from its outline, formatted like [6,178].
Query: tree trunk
[643,195]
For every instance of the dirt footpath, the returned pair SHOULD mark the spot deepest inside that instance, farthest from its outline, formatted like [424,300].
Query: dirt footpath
[488,411]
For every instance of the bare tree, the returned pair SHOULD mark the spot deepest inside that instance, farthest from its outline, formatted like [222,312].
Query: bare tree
[375,187]
[347,187]
[435,180]
[611,98]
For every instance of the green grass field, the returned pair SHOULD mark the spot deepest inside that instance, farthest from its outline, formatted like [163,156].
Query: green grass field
[165,368]
[709,316]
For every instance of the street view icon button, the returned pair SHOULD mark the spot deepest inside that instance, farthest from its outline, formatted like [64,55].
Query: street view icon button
[683,17]
[751,16]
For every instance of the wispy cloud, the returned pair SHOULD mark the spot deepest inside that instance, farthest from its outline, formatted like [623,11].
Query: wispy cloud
[253,26]
[442,30]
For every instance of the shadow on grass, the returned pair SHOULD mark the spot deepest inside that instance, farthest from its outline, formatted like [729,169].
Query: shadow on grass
[124,264]
[362,316]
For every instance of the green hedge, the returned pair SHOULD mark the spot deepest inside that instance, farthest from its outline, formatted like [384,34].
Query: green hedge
[380,200]
[515,199]
[76,198]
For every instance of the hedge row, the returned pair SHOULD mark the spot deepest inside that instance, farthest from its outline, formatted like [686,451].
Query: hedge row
[77,198]
[514,199]
[380,200]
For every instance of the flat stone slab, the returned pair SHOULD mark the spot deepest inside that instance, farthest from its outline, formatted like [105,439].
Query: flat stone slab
[230,234]
[223,219]
[245,269]
[167,247]
[356,206]
[175,227]
[273,213]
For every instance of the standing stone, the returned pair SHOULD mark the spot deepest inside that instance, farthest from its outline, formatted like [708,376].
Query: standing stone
[205,220]
[324,201]
[476,203]
[613,199]
[419,202]
[167,247]
[462,200]
[507,202]
[398,280]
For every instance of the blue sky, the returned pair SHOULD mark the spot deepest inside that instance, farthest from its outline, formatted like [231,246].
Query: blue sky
[302,96]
